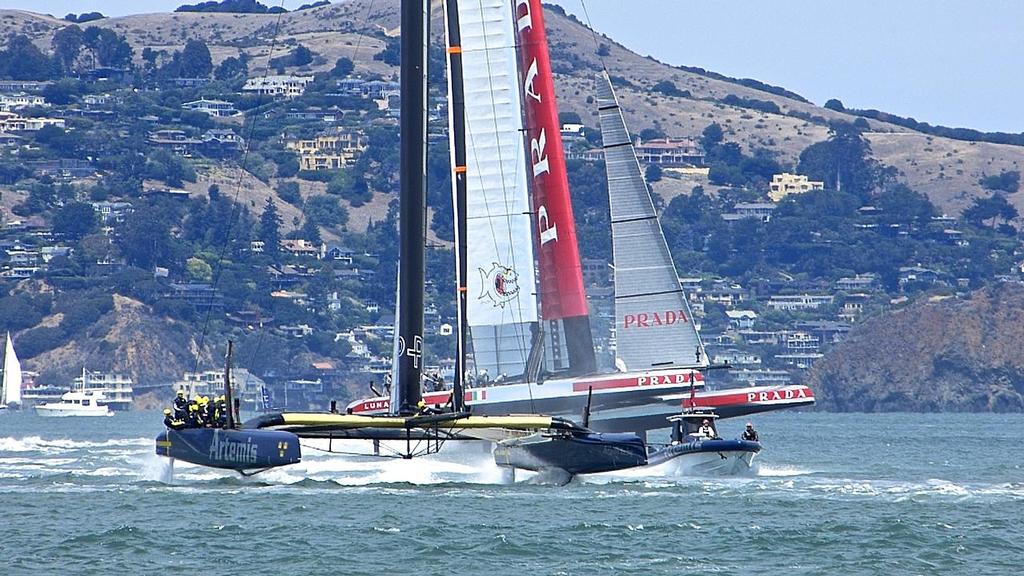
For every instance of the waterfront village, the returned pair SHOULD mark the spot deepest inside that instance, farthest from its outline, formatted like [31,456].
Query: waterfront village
[317,138]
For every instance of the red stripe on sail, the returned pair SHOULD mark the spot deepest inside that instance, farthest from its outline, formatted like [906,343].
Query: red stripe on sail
[561,280]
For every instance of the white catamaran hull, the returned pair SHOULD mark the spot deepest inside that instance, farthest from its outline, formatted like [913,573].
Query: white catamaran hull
[725,463]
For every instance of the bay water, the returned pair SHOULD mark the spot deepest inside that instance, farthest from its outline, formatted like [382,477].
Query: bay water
[832,494]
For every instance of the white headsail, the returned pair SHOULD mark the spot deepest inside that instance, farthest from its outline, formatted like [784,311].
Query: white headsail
[653,324]
[12,376]
[501,281]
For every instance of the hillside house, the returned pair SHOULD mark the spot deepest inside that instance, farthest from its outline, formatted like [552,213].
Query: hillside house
[300,247]
[284,86]
[215,108]
[221,142]
[188,82]
[670,152]
[369,89]
[19,100]
[196,294]
[799,302]
[23,86]
[11,122]
[757,210]
[784,184]
[331,150]
[917,275]
[176,141]
[741,319]
[760,376]
[736,357]
[858,283]
[112,212]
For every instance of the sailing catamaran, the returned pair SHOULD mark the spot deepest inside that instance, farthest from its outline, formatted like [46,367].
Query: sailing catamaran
[10,395]
[524,305]
[273,439]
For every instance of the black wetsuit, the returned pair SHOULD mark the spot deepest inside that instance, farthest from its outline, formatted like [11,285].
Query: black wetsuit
[750,435]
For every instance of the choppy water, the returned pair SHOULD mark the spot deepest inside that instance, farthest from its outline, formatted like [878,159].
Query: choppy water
[835,494]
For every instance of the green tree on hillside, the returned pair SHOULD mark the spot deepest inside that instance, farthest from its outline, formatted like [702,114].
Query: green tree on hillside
[67,43]
[342,68]
[195,60]
[1007,181]
[991,209]
[842,162]
[107,47]
[75,220]
[270,230]
[23,61]
[712,136]
[232,67]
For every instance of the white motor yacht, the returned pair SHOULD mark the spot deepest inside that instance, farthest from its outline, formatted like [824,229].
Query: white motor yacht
[88,403]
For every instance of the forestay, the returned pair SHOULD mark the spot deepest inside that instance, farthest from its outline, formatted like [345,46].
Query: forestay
[653,323]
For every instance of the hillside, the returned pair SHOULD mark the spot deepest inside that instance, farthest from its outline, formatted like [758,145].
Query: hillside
[951,355]
[165,197]
[946,170]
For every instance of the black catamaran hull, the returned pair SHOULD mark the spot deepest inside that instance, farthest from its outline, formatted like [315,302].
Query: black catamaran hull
[240,450]
[576,453]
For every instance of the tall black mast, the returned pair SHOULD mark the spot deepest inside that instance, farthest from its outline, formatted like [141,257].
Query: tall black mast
[457,105]
[413,212]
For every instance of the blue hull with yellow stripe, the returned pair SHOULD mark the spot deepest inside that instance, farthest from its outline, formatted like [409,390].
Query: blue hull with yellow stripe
[241,450]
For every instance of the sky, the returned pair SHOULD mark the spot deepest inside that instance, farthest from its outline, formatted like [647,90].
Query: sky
[950,62]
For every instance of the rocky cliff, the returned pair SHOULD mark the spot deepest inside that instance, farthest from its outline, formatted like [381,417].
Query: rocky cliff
[952,355]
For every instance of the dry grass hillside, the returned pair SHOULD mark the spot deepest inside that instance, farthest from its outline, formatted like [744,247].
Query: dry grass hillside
[123,341]
[947,170]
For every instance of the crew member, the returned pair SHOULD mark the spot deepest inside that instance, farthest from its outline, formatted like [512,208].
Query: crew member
[423,409]
[750,434]
[196,412]
[706,429]
[180,406]
[220,413]
[439,383]
[172,422]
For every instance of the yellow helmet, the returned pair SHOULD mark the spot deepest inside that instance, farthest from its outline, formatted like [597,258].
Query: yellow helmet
[181,393]
[167,411]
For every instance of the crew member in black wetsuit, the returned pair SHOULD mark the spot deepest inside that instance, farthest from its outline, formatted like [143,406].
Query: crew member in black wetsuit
[172,422]
[750,434]
[180,406]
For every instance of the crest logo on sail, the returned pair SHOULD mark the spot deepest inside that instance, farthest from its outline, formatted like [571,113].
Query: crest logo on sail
[500,284]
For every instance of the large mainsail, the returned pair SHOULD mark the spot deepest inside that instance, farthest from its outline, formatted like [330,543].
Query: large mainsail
[12,376]
[501,280]
[653,324]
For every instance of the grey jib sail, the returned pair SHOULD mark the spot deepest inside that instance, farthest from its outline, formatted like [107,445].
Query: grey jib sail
[653,324]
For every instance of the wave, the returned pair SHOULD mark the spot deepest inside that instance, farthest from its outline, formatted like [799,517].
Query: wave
[39,444]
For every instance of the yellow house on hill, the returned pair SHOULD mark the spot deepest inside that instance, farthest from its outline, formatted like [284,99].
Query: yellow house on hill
[785,184]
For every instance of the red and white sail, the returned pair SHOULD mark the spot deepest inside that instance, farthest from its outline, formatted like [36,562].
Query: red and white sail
[563,298]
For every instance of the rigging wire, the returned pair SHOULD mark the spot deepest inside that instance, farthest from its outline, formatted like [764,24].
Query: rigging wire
[302,208]
[236,208]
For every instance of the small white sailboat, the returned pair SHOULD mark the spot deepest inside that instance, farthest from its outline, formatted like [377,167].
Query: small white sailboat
[10,396]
